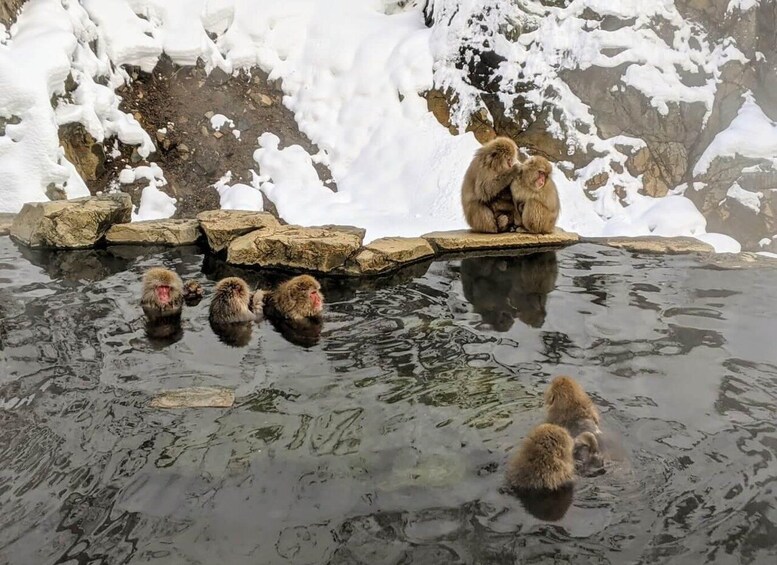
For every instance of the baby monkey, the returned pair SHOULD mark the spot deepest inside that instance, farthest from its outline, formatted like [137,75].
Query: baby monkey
[296,299]
[544,460]
[162,294]
[192,293]
[535,196]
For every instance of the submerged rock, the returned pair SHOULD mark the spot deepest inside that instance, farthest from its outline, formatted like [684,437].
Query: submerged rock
[221,227]
[70,224]
[155,232]
[322,249]
[466,240]
[194,397]
[5,223]
[655,244]
[389,253]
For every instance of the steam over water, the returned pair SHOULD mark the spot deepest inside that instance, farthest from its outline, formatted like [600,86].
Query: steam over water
[384,442]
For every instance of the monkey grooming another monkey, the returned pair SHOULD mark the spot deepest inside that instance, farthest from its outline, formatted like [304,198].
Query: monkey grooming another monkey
[535,196]
[162,294]
[295,299]
[588,458]
[485,194]
[569,406]
[192,293]
[544,460]
[230,303]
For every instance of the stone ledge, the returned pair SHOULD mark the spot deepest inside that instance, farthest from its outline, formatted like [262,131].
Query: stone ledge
[466,240]
[654,244]
[155,232]
[6,220]
[221,227]
[387,254]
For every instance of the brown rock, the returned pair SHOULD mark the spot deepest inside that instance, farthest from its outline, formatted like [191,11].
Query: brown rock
[223,226]
[70,224]
[81,149]
[322,248]
[5,223]
[655,244]
[389,253]
[155,232]
[466,240]
[194,397]
[744,260]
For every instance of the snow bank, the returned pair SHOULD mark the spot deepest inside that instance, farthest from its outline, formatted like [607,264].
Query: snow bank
[238,196]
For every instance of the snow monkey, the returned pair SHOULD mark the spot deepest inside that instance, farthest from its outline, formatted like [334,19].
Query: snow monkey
[569,406]
[484,193]
[544,460]
[162,294]
[295,299]
[587,455]
[535,196]
[230,303]
[192,293]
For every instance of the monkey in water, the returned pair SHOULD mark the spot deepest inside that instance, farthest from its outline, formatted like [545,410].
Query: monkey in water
[535,196]
[569,406]
[544,461]
[230,303]
[587,455]
[192,293]
[162,294]
[296,299]
[485,193]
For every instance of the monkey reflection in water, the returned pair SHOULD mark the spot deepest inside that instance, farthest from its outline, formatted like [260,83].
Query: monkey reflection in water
[501,289]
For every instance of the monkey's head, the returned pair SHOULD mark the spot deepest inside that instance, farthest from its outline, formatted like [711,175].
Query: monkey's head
[163,283]
[499,154]
[553,441]
[535,172]
[307,292]
[234,287]
[192,290]
[563,392]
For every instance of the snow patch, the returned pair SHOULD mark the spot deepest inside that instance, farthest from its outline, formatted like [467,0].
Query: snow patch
[218,121]
[748,199]
[238,196]
[720,242]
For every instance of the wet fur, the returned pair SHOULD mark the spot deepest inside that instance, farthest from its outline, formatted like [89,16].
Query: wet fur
[587,455]
[538,207]
[230,303]
[151,305]
[292,299]
[544,460]
[192,293]
[485,194]
[569,406]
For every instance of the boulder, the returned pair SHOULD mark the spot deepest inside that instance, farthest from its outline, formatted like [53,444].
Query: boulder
[5,223]
[322,248]
[466,240]
[389,253]
[194,397]
[155,232]
[655,244]
[70,224]
[221,227]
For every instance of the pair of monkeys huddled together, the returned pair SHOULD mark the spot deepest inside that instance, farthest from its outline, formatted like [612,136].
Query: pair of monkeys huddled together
[501,194]
[566,443]
[233,302]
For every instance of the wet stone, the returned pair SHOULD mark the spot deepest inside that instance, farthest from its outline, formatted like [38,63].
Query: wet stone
[655,244]
[194,397]
[223,226]
[155,232]
[5,223]
[466,240]
[389,253]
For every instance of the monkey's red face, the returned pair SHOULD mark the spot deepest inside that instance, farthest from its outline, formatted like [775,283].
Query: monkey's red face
[316,301]
[163,293]
[541,179]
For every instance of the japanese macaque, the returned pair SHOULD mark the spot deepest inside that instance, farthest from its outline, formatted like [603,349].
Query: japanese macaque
[230,303]
[588,458]
[535,196]
[192,293]
[485,194]
[295,299]
[569,406]
[256,305]
[544,461]
[162,295]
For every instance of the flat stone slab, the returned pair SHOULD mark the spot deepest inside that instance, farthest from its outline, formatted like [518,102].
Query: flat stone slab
[743,260]
[70,224]
[655,244]
[466,240]
[155,232]
[322,248]
[389,253]
[194,397]
[221,227]
[5,223]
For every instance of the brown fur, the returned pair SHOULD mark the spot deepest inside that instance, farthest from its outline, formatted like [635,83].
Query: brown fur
[230,303]
[588,459]
[569,406]
[292,299]
[152,306]
[535,196]
[257,303]
[484,193]
[192,293]
[544,460]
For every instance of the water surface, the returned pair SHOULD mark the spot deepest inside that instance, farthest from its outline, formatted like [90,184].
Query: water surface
[384,441]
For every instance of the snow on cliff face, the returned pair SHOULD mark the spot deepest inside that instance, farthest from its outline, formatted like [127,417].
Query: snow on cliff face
[353,72]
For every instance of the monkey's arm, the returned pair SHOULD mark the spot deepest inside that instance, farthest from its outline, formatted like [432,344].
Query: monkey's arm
[491,187]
